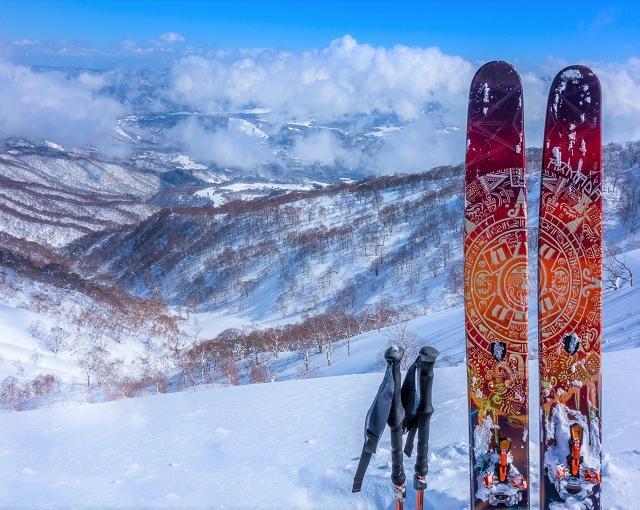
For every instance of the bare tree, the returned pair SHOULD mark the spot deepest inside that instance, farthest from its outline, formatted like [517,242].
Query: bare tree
[325,330]
[616,270]
[96,323]
[445,253]
[258,374]
[230,371]
[92,360]
[455,279]
[13,394]
[305,346]
[274,340]
[434,265]
[400,334]
[629,207]
[275,367]
[55,340]
[44,385]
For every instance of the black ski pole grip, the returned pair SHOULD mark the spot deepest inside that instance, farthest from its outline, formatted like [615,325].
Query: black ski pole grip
[393,355]
[428,357]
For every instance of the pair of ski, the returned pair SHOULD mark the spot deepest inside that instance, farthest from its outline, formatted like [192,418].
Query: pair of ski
[407,408]
[569,292]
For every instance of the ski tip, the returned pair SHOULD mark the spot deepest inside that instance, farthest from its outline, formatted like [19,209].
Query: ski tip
[497,71]
[576,71]
[575,84]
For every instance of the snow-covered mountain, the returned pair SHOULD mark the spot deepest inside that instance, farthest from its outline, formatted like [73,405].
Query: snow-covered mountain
[157,273]
[267,250]
[205,252]
[134,262]
[53,197]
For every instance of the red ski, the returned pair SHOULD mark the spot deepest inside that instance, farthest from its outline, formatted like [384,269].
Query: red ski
[496,290]
[570,293]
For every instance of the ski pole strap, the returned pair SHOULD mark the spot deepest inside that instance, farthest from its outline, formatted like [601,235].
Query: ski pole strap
[411,435]
[365,458]
[409,392]
[410,401]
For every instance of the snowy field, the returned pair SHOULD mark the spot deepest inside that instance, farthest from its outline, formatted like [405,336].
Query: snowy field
[293,444]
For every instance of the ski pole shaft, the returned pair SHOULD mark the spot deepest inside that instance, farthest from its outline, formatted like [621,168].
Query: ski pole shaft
[428,357]
[420,500]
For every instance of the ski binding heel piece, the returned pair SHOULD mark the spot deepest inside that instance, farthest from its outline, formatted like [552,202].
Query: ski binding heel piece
[574,479]
[504,485]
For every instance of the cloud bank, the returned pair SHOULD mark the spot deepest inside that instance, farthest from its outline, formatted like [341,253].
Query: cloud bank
[227,148]
[52,106]
[621,99]
[344,78]
[325,148]
[424,90]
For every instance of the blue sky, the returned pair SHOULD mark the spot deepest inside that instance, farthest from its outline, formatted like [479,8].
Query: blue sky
[519,31]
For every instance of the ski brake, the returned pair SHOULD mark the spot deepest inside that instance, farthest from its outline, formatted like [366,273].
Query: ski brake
[574,474]
[504,484]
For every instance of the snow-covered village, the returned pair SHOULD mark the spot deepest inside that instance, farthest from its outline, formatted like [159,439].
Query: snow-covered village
[346,255]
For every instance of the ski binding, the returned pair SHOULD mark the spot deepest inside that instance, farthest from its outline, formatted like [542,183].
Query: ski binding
[503,485]
[574,478]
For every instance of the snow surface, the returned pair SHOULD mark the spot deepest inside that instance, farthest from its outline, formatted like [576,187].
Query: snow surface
[293,444]
[246,127]
[187,163]
[248,186]
[220,195]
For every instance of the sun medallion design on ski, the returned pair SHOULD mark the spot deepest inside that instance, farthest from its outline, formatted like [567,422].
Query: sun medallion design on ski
[496,289]
[570,293]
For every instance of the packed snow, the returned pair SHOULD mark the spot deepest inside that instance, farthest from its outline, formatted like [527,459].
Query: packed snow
[292,444]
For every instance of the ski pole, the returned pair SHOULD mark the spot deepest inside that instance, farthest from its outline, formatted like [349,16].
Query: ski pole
[386,409]
[425,410]
[396,418]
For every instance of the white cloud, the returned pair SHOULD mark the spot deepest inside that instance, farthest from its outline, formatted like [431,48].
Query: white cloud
[50,105]
[535,92]
[92,81]
[324,147]
[231,148]
[424,88]
[621,99]
[344,78]
[421,145]
[172,37]
[25,42]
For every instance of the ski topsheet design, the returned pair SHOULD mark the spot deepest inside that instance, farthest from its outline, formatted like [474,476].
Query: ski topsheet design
[496,289]
[570,293]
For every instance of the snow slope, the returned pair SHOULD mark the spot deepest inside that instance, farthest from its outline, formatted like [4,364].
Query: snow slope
[293,444]
[53,198]
[444,330]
